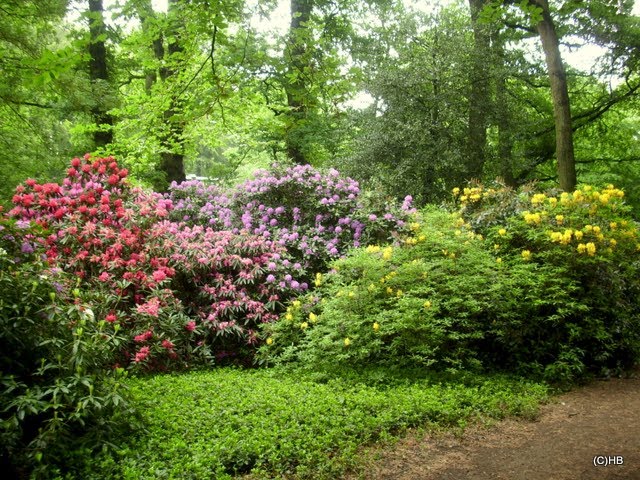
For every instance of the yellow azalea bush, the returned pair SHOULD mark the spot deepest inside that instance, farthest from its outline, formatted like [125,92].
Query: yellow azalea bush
[591,235]
[435,302]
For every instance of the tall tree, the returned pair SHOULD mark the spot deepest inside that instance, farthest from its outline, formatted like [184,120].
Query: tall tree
[172,141]
[99,74]
[479,97]
[297,56]
[560,96]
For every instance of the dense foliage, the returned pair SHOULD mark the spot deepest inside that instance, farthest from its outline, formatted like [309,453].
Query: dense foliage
[56,349]
[277,424]
[551,291]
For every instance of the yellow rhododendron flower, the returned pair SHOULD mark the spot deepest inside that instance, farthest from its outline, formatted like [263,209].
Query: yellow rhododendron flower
[498,260]
[613,242]
[288,317]
[313,318]
[414,226]
[318,280]
[588,228]
[376,326]
[538,198]
[387,253]
[581,248]
[613,225]
[496,246]
[352,294]
[390,290]
[555,236]
[347,342]
[502,231]
[296,304]
[269,341]
[596,229]
[372,287]
[427,304]
[526,254]
[304,325]
[456,191]
[560,219]
[591,249]
[532,218]
[399,293]
[578,234]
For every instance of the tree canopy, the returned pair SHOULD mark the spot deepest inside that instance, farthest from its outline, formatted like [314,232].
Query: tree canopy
[456,91]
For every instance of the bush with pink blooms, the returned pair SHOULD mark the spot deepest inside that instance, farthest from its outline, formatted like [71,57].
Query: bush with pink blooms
[181,294]
[317,216]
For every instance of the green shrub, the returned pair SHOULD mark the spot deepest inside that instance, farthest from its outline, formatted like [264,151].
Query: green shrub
[54,350]
[590,235]
[536,284]
[442,301]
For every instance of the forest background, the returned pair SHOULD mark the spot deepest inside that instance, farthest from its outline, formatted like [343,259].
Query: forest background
[444,92]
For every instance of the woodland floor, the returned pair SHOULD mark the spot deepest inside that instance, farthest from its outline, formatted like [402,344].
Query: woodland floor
[602,418]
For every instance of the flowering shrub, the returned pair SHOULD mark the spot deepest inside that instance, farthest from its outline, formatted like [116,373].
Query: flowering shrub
[181,293]
[230,283]
[591,235]
[55,353]
[432,302]
[521,299]
[316,216]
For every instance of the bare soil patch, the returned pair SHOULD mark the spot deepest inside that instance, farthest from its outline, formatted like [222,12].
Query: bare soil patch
[600,421]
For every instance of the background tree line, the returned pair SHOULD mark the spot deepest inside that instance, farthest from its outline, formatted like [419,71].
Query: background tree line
[469,90]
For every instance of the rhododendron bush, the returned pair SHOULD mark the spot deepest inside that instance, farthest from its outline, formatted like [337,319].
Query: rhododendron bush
[317,216]
[181,293]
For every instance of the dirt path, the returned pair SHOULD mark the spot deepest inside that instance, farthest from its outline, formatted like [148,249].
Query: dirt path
[601,419]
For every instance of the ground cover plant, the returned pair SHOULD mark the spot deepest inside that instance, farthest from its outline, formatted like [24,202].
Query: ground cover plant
[226,423]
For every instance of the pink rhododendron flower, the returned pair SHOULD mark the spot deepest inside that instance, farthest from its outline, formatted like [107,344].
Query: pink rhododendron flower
[159,275]
[142,354]
[190,326]
[152,307]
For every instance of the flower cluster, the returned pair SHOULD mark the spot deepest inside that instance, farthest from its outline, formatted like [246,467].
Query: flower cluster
[315,215]
[119,240]
[589,221]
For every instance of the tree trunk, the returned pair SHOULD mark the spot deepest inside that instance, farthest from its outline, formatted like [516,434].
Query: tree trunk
[560,97]
[98,73]
[479,101]
[502,114]
[296,53]
[171,138]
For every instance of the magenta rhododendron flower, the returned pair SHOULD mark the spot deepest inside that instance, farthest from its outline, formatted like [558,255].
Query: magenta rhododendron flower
[190,326]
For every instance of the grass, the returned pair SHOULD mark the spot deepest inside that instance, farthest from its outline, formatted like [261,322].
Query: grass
[224,423]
